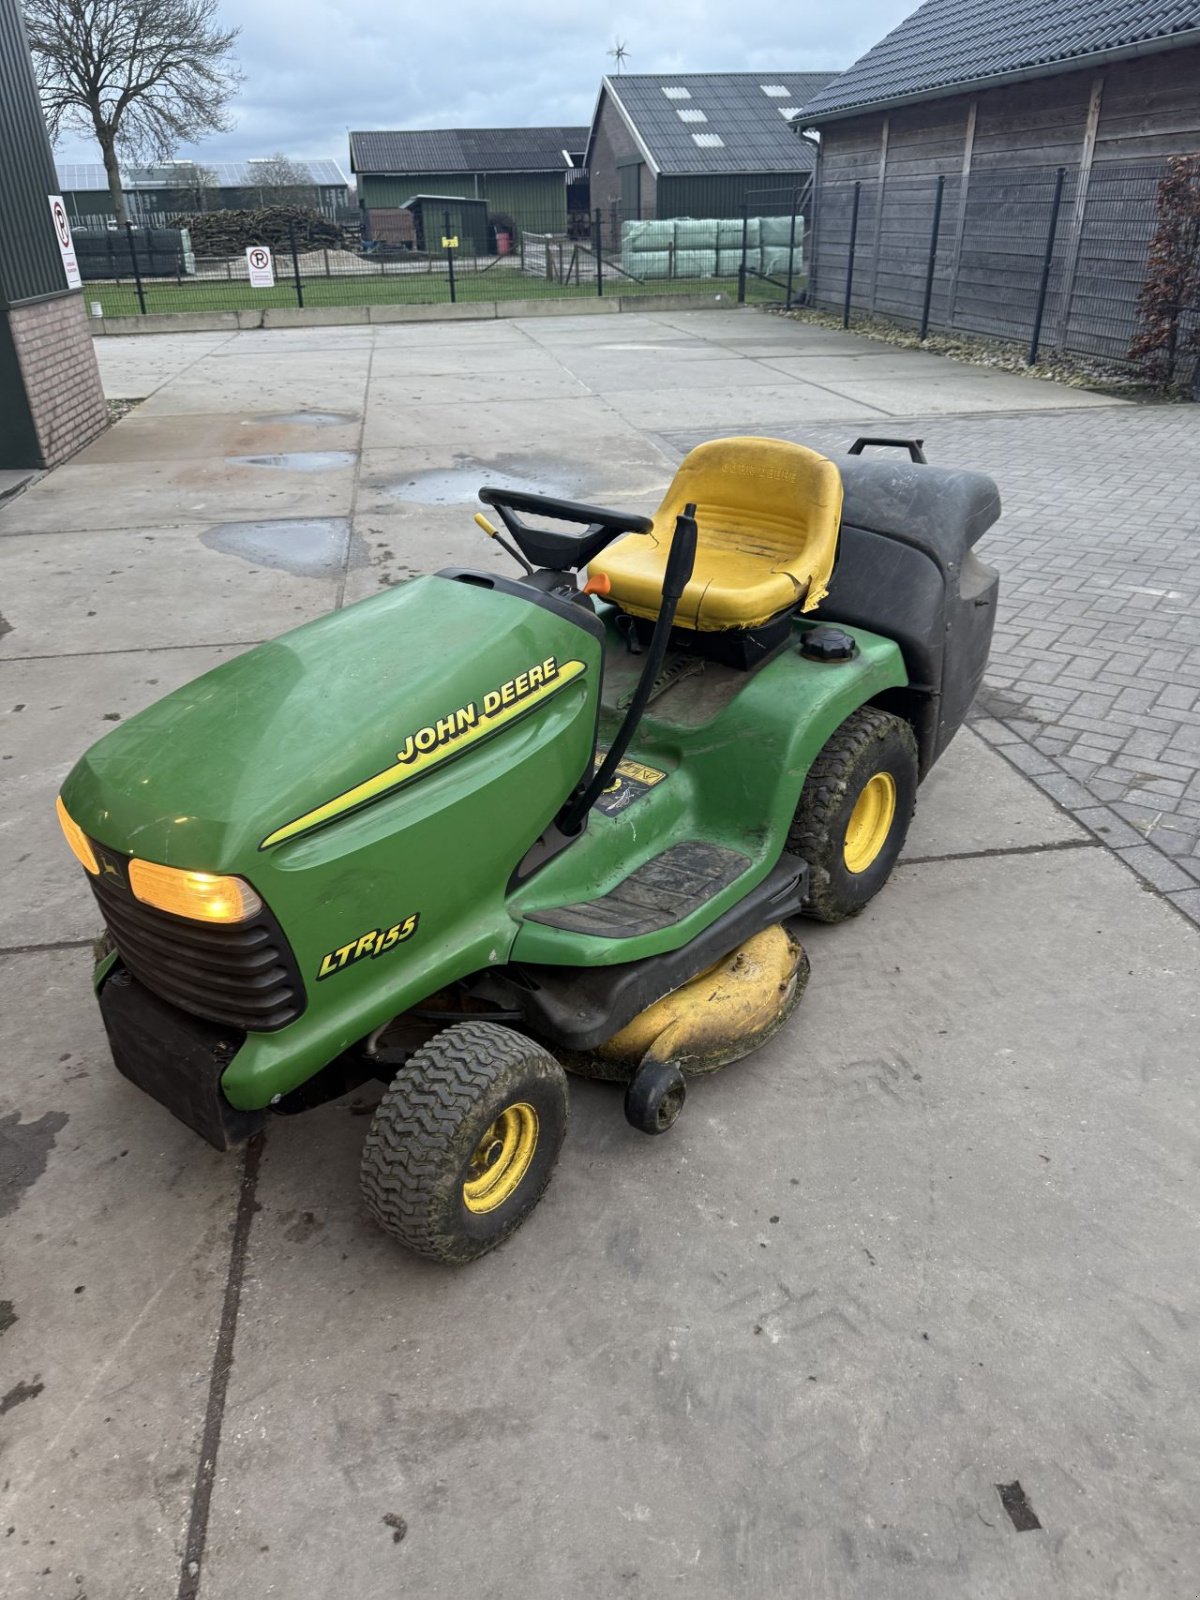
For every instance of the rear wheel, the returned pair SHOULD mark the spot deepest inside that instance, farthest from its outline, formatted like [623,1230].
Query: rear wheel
[461,1147]
[854,812]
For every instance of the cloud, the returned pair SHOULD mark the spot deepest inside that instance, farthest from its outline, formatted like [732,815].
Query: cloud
[314,68]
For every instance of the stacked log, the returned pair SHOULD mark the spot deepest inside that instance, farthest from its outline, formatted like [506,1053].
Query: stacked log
[230,233]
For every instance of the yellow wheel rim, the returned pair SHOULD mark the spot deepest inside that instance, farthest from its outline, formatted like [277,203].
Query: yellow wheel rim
[501,1159]
[870,822]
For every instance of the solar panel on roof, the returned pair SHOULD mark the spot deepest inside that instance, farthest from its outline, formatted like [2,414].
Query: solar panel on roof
[83,176]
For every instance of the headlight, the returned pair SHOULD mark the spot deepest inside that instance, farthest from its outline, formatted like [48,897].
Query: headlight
[201,896]
[81,845]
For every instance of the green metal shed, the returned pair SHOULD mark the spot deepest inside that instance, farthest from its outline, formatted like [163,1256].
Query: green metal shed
[439,216]
[521,173]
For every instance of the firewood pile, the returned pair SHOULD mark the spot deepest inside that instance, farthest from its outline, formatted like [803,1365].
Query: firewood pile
[229,233]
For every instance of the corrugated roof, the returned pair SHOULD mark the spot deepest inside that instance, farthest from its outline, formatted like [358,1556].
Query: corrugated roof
[419,150]
[747,112]
[84,175]
[950,44]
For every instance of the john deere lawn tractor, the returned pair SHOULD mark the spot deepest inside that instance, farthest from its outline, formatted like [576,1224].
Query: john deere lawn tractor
[481,825]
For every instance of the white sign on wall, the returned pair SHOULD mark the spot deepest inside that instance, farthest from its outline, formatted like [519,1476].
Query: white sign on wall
[262,269]
[62,231]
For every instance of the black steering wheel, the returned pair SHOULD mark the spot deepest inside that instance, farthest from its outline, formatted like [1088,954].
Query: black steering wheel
[558,551]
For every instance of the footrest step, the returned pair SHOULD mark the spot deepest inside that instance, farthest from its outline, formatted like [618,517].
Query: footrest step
[656,895]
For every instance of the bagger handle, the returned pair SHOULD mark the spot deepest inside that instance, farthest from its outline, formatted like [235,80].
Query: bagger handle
[913,446]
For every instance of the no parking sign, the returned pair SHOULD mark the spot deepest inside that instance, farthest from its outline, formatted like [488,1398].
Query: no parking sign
[62,232]
[262,269]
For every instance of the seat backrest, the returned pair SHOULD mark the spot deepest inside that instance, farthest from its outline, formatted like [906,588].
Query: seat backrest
[774,502]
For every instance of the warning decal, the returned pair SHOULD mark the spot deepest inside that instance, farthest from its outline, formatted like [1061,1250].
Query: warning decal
[630,782]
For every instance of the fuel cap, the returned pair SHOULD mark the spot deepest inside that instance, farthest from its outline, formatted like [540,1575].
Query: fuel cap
[827,644]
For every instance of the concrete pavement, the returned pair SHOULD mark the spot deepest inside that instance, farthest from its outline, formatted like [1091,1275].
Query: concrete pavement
[937,1236]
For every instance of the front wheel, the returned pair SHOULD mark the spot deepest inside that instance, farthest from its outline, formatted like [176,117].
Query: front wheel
[461,1147]
[854,811]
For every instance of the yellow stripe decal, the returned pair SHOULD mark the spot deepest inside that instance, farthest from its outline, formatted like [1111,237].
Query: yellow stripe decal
[430,746]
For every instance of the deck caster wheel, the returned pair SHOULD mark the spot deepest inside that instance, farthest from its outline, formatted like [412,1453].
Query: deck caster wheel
[655,1097]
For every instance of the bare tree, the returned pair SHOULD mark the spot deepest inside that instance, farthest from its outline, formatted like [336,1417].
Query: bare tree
[142,76]
[193,184]
[278,179]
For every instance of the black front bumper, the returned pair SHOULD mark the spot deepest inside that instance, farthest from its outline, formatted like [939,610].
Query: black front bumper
[176,1058]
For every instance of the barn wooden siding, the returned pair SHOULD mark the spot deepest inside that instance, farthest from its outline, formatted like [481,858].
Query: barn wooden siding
[998,153]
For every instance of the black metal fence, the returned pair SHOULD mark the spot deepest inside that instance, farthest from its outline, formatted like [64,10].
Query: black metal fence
[1052,258]
[757,256]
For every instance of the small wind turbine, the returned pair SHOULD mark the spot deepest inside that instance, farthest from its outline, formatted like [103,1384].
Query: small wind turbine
[619,53]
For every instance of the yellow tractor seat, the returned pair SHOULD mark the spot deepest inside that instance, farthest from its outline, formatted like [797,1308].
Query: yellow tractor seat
[767,517]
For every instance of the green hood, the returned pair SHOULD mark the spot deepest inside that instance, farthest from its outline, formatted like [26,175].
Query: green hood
[203,777]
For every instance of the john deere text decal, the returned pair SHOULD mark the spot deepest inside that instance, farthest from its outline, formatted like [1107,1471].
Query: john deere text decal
[428,746]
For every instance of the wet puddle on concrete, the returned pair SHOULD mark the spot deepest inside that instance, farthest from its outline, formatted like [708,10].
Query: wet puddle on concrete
[314,547]
[313,419]
[461,485]
[298,460]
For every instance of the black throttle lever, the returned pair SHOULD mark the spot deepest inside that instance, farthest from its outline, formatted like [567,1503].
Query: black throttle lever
[681,561]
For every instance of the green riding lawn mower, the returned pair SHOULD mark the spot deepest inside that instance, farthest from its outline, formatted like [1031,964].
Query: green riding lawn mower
[480,827]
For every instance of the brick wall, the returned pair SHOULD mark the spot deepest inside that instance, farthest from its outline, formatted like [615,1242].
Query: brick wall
[613,143]
[58,363]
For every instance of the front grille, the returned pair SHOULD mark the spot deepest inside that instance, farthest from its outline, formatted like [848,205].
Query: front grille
[244,974]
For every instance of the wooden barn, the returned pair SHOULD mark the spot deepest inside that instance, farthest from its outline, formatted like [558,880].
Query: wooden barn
[994,156]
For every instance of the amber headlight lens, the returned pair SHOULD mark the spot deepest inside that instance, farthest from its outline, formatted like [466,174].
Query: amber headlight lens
[201,896]
[81,845]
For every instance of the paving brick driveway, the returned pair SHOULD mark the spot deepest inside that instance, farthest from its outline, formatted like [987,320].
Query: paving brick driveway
[1093,688]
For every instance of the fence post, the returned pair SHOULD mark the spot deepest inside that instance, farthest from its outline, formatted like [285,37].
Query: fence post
[137,274]
[598,245]
[296,265]
[787,304]
[933,244]
[449,252]
[850,254]
[1036,336]
[741,299]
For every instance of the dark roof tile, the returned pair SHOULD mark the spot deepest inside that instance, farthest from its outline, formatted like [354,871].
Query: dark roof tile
[949,44]
[752,124]
[425,150]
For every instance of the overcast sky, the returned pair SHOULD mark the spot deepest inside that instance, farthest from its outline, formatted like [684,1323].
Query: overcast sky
[314,68]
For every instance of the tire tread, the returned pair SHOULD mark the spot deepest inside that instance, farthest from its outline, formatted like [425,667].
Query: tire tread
[414,1130]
